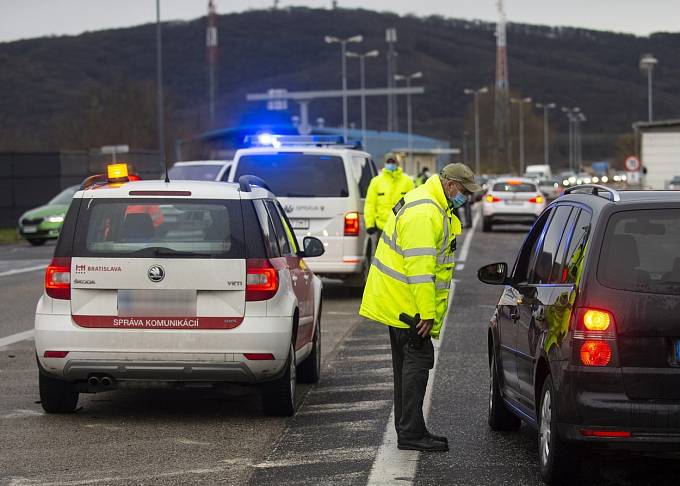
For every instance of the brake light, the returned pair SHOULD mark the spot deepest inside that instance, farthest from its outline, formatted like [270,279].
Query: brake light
[55,354]
[262,279]
[491,199]
[58,278]
[596,353]
[258,356]
[352,224]
[605,433]
[536,200]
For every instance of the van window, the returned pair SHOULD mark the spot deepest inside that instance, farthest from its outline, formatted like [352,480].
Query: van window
[640,251]
[573,262]
[292,174]
[279,229]
[523,264]
[145,228]
[366,174]
[545,259]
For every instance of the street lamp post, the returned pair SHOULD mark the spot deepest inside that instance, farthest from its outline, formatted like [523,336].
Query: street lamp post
[546,149]
[572,114]
[648,63]
[409,111]
[362,72]
[343,44]
[578,156]
[476,93]
[159,90]
[520,104]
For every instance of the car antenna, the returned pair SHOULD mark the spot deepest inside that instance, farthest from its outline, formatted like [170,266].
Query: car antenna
[167,176]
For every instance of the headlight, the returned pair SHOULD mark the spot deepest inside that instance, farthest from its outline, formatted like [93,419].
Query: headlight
[55,219]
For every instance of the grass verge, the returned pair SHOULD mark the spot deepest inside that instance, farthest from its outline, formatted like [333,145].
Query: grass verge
[9,235]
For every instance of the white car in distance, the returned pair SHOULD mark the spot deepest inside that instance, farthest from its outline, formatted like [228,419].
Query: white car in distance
[512,200]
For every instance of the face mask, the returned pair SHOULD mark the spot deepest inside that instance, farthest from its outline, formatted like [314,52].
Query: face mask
[458,200]
[390,167]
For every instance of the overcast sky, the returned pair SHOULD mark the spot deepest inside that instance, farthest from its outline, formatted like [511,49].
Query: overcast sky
[20,19]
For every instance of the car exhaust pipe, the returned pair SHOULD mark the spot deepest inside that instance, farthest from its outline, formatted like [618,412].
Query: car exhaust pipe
[106,381]
[93,381]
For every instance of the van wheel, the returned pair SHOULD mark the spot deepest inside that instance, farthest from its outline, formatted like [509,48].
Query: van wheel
[486,225]
[57,396]
[554,455]
[500,418]
[309,370]
[279,395]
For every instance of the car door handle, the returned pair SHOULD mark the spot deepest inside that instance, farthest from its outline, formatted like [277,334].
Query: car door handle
[514,314]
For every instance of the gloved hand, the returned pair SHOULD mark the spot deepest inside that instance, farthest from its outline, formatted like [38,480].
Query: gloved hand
[371,230]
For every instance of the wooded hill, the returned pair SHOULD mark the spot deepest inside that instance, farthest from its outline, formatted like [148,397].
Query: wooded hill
[78,91]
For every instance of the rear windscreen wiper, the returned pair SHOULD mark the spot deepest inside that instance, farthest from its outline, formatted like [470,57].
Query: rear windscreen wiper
[161,251]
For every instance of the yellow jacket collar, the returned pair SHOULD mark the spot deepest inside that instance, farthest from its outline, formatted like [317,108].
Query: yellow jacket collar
[433,186]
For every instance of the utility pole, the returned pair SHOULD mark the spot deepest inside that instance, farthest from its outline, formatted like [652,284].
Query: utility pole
[520,104]
[546,142]
[476,93]
[343,51]
[159,89]
[648,63]
[409,111]
[211,46]
[502,95]
[392,119]
[362,74]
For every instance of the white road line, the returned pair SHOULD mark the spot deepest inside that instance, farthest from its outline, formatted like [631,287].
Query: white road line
[15,338]
[391,465]
[34,268]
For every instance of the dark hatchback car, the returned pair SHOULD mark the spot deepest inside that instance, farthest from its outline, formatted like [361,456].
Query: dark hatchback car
[584,344]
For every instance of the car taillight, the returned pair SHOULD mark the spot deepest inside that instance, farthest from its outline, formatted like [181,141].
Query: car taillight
[594,335]
[262,279]
[352,224]
[55,354]
[58,278]
[258,356]
[537,200]
[491,199]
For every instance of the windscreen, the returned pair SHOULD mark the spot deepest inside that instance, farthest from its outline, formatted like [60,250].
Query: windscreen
[65,196]
[297,174]
[514,187]
[198,172]
[640,251]
[144,228]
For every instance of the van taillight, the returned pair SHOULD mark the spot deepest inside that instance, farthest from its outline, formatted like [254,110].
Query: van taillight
[58,278]
[594,335]
[262,279]
[352,224]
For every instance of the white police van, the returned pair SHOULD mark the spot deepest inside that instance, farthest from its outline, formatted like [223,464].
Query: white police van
[321,183]
[177,283]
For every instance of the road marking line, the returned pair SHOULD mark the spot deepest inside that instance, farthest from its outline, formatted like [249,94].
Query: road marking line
[391,465]
[34,268]
[15,338]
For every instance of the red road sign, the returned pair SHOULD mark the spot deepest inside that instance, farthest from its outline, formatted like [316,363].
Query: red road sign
[633,164]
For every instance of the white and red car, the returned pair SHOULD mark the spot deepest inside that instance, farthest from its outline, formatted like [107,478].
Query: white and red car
[512,200]
[176,283]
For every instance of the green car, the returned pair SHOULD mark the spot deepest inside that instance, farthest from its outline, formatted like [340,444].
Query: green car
[44,223]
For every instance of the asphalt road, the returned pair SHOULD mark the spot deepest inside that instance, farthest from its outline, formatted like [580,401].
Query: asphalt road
[337,437]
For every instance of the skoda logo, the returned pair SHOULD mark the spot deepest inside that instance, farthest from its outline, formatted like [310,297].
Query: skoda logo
[289,208]
[156,273]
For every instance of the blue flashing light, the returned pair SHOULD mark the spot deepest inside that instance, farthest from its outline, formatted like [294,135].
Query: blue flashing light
[266,139]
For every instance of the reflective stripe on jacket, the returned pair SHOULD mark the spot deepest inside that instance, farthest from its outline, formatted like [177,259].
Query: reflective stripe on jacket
[412,268]
[384,191]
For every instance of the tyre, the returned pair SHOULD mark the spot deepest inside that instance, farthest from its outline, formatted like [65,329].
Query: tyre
[57,396]
[554,455]
[500,418]
[279,395]
[309,371]
[486,225]
[37,241]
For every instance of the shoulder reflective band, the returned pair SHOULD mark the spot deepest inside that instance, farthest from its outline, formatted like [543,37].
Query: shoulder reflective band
[415,279]
[418,203]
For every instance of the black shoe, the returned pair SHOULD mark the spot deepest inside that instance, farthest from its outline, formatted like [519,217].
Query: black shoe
[438,438]
[426,444]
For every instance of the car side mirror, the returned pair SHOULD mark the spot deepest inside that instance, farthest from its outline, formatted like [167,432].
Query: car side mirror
[494,274]
[313,247]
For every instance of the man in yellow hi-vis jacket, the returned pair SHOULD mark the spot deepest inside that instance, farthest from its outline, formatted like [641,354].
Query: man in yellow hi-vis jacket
[408,290]
[383,193]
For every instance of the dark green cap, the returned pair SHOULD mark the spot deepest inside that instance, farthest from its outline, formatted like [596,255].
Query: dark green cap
[461,173]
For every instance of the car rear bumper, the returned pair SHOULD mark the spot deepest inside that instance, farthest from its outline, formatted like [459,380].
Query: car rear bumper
[173,355]
[348,266]
[43,231]
[511,217]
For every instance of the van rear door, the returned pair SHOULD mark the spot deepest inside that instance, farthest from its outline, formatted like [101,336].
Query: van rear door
[155,263]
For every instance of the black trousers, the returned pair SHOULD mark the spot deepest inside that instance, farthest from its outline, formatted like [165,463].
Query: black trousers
[411,369]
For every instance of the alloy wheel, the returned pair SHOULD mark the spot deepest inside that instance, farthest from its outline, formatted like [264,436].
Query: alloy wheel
[546,423]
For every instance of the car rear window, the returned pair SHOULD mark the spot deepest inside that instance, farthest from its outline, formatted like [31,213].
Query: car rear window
[297,174]
[145,228]
[514,187]
[640,251]
[203,172]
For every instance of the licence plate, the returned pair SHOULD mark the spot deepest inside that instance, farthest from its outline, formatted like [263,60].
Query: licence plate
[514,203]
[299,223]
[30,229]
